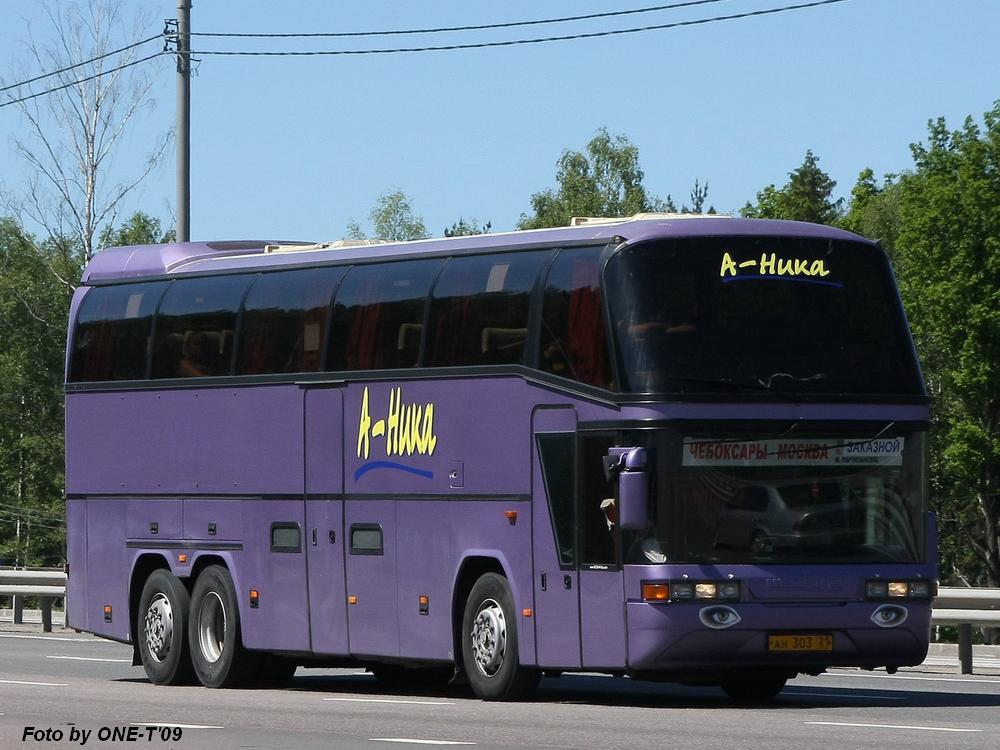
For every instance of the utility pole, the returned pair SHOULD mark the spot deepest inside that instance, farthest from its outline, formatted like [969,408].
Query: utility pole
[183,228]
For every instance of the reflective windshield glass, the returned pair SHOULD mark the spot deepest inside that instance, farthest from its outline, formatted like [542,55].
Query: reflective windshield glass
[734,498]
[758,314]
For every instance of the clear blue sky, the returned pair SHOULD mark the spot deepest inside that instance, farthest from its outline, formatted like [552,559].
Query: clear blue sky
[297,147]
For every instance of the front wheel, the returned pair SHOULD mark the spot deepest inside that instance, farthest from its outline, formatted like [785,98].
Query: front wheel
[217,652]
[163,616]
[489,643]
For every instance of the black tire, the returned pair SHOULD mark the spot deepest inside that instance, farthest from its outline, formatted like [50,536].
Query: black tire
[161,620]
[753,689]
[489,643]
[214,639]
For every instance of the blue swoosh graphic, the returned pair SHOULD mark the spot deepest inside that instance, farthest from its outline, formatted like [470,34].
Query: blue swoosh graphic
[372,465]
[800,280]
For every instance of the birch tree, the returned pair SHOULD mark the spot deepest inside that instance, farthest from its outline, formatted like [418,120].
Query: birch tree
[78,174]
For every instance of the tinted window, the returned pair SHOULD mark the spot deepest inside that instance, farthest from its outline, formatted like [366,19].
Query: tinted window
[746,314]
[556,453]
[378,317]
[196,326]
[113,325]
[479,313]
[284,321]
[573,341]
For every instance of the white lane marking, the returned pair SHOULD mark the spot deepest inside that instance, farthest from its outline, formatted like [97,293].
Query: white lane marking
[88,658]
[41,684]
[845,695]
[386,700]
[889,726]
[55,638]
[171,725]
[906,677]
[418,742]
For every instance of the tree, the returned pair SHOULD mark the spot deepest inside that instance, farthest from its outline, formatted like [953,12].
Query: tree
[140,229]
[606,181]
[947,257]
[874,211]
[392,219]
[463,228]
[33,310]
[74,134]
[806,197]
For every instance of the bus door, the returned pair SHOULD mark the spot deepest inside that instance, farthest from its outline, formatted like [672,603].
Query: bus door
[557,604]
[324,537]
[602,585]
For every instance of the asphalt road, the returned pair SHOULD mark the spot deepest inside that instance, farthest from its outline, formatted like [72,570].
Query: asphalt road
[67,681]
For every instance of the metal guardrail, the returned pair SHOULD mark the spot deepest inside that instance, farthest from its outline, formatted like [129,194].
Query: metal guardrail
[46,584]
[966,607]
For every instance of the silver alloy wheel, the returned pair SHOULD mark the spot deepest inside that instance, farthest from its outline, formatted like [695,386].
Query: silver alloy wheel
[489,638]
[212,627]
[159,627]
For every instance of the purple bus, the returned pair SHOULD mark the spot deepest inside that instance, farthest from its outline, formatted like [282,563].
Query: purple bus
[686,449]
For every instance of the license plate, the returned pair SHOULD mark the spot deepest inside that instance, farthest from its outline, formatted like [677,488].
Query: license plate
[792,642]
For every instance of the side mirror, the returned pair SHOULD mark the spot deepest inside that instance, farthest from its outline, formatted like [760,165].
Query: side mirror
[629,465]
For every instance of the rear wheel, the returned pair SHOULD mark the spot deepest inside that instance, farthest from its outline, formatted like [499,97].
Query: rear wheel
[489,643]
[217,652]
[162,639]
[754,689]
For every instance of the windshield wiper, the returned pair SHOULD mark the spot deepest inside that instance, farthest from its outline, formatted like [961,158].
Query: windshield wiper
[808,379]
[746,385]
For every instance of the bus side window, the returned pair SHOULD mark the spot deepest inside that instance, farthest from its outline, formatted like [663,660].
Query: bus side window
[378,315]
[556,453]
[285,319]
[195,327]
[573,341]
[479,309]
[113,326]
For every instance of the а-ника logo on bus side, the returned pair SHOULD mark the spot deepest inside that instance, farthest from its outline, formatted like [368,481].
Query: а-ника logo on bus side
[407,429]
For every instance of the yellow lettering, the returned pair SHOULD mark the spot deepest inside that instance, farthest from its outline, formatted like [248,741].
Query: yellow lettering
[818,269]
[785,266]
[801,268]
[392,435]
[728,266]
[407,428]
[429,437]
[767,264]
[364,442]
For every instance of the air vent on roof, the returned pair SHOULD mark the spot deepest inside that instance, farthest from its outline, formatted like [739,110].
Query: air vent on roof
[334,245]
[579,221]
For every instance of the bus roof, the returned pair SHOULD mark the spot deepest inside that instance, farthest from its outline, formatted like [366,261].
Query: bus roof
[183,258]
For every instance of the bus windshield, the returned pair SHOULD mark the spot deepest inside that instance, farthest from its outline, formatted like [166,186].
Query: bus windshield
[758,314]
[850,498]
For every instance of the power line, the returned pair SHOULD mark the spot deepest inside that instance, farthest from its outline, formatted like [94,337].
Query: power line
[480,27]
[514,42]
[81,64]
[82,80]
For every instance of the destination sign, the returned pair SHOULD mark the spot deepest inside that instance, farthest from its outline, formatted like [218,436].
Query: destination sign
[812,452]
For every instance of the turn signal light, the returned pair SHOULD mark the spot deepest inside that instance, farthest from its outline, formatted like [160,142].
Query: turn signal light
[107,613]
[653,592]
[254,599]
[352,600]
